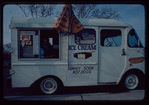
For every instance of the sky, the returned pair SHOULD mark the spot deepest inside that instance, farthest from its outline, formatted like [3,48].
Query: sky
[133,14]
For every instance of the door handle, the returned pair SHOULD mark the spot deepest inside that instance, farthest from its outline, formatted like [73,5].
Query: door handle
[123,52]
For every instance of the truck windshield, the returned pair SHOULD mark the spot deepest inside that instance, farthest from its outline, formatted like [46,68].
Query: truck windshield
[133,39]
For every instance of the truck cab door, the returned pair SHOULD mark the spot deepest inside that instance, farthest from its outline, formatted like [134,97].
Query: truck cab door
[111,54]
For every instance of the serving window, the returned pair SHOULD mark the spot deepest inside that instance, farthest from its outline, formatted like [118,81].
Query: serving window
[38,44]
[49,44]
[86,36]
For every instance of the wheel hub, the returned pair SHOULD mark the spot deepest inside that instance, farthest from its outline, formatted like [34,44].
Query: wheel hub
[131,81]
[48,85]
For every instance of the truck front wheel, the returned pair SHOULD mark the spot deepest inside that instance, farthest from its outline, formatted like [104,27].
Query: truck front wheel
[131,81]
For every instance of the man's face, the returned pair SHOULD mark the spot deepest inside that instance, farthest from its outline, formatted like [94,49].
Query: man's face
[45,41]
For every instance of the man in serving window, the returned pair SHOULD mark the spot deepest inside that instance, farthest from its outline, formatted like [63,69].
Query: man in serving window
[46,50]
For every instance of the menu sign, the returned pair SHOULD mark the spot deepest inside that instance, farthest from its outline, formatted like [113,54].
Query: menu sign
[27,32]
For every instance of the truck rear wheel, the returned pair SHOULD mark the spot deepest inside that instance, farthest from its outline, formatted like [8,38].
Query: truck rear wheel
[49,85]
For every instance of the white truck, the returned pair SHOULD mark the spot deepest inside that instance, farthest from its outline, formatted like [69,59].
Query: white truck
[105,52]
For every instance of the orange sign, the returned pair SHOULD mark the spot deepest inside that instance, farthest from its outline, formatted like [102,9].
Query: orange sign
[136,60]
[25,37]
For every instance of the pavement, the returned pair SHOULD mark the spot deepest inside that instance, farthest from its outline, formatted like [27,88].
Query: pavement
[132,95]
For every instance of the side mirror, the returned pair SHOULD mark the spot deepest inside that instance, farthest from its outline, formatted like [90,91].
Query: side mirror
[138,45]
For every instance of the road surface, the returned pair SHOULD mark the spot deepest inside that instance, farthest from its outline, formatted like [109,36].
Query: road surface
[132,95]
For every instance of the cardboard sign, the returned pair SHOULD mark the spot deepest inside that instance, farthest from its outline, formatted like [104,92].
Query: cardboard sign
[28,42]
[24,37]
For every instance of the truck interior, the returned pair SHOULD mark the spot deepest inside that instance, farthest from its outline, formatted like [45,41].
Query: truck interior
[53,40]
[31,46]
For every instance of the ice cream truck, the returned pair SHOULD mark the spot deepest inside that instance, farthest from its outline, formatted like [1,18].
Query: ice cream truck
[105,52]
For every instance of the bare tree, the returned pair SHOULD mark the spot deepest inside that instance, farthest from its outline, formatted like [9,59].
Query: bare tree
[37,10]
[83,10]
[91,10]
[107,13]
[23,8]
[31,8]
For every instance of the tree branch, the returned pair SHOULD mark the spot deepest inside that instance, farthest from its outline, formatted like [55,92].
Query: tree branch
[23,9]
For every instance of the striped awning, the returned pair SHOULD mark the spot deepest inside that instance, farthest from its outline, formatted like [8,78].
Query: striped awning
[67,21]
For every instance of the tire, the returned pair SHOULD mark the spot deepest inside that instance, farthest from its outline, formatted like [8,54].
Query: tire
[131,82]
[49,86]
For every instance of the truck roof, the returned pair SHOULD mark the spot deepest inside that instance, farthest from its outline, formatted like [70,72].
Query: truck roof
[49,22]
